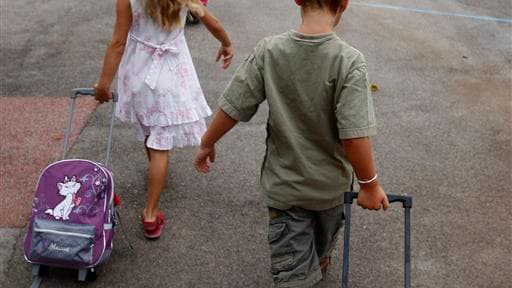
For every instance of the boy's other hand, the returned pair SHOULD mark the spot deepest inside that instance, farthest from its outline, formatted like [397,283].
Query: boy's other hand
[102,94]
[226,54]
[203,155]
[372,197]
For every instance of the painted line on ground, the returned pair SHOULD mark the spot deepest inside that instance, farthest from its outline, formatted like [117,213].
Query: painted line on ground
[434,12]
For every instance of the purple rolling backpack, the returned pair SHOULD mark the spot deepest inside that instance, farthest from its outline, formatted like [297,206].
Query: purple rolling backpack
[73,214]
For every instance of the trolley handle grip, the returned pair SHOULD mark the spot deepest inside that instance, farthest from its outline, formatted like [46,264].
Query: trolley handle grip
[405,200]
[90,92]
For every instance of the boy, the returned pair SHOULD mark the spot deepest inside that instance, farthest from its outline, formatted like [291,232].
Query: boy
[321,117]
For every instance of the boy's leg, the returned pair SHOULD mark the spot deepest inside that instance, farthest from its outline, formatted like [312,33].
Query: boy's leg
[291,238]
[328,225]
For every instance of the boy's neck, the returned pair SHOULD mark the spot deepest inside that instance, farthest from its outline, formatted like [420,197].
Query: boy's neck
[316,22]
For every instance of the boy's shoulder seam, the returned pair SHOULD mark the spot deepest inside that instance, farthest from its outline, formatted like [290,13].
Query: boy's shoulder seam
[264,43]
[274,37]
[346,45]
[357,56]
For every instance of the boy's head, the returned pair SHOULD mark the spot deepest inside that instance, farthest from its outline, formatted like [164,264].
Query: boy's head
[334,7]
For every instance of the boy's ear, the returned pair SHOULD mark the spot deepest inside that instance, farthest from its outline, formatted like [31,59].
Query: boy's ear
[343,6]
[298,2]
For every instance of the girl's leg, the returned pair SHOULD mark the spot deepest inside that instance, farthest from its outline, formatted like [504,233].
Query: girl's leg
[147,149]
[158,169]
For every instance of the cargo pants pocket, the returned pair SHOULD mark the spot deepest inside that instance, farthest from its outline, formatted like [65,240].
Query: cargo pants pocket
[281,252]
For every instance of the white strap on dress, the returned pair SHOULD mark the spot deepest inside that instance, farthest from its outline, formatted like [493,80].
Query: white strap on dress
[172,50]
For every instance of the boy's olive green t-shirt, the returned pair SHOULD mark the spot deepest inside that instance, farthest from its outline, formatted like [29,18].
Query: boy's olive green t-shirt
[317,91]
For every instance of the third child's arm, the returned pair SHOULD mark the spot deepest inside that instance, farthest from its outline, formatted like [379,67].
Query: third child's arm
[220,125]
[359,153]
[213,25]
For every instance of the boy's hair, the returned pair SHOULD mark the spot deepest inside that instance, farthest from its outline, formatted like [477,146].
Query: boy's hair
[332,5]
[166,13]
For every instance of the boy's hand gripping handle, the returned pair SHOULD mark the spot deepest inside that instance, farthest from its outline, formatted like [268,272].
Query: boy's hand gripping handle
[88,92]
[405,200]
[407,204]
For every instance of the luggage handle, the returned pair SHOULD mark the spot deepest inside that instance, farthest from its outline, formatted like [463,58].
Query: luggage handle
[88,92]
[405,200]
[407,204]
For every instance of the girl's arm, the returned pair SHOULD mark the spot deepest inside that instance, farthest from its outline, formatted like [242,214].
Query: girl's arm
[359,154]
[213,25]
[115,50]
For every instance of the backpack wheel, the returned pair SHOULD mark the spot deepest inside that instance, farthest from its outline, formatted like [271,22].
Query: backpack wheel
[91,275]
[40,270]
[87,275]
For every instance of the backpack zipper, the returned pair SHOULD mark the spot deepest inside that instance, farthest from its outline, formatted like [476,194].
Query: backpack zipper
[63,233]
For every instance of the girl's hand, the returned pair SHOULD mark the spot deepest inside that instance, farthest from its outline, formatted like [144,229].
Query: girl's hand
[226,54]
[102,94]
[213,25]
[372,197]
[203,155]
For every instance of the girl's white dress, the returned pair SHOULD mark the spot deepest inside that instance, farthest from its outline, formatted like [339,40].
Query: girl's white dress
[158,86]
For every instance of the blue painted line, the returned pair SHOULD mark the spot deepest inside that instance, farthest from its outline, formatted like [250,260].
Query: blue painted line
[433,12]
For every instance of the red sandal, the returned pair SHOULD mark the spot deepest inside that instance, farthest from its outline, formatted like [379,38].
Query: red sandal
[153,229]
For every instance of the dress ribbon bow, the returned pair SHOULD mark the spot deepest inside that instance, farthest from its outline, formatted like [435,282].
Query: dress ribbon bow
[159,56]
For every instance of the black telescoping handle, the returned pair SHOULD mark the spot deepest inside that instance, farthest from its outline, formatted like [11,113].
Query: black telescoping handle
[83,92]
[88,92]
[405,200]
[407,204]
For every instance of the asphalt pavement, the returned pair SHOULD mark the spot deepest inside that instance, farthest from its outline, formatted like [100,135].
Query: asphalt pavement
[444,113]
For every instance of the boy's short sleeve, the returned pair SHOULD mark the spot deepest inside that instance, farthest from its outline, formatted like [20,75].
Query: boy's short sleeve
[246,90]
[354,108]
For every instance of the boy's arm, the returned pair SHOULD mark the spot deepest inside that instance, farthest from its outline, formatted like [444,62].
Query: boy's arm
[115,50]
[213,25]
[220,125]
[239,102]
[359,153]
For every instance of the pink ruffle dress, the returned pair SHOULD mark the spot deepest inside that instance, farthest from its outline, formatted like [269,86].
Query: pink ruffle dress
[158,87]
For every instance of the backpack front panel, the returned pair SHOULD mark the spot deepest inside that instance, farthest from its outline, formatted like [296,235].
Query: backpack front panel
[71,206]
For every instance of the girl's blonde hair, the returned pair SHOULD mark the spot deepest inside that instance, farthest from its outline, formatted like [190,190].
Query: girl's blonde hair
[166,13]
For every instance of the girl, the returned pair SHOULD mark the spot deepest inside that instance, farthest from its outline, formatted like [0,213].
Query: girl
[158,87]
